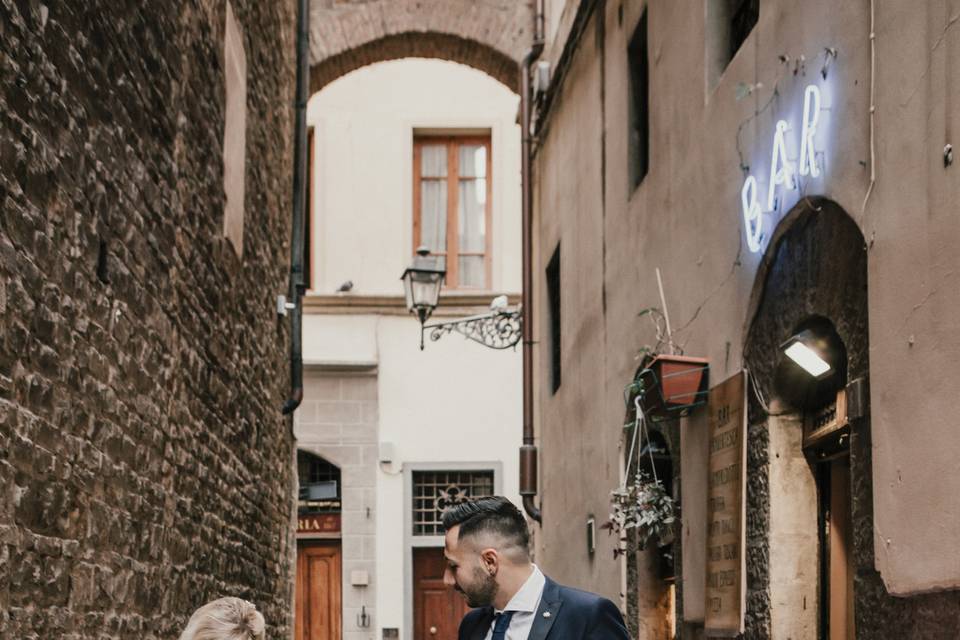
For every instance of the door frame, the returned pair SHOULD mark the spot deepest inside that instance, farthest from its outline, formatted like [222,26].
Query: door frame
[410,541]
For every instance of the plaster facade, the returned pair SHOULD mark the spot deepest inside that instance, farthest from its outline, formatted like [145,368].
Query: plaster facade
[707,133]
[456,405]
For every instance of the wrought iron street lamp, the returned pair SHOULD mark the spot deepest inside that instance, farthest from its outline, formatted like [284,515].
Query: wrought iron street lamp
[421,283]
[498,329]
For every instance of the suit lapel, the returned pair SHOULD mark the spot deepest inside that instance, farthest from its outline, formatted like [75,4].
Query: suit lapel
[546,615]
[481,628]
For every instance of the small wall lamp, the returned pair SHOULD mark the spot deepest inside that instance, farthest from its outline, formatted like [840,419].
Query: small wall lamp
[809,352]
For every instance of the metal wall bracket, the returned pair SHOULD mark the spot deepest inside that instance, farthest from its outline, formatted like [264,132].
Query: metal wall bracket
[858,399]
[500,329]
[283,306]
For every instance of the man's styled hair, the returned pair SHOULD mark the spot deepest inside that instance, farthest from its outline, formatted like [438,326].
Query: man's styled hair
[495,515]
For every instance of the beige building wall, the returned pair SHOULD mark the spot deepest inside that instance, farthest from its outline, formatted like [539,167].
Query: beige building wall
[364,125]
[454,405]
[685,218]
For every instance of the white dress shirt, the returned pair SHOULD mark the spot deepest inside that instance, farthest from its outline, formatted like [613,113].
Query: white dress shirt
[524,604]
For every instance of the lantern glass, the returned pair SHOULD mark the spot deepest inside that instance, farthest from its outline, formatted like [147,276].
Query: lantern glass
[422,283]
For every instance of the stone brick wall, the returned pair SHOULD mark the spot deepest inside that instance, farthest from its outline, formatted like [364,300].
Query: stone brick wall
[338,422]
[144,464]
[490,35]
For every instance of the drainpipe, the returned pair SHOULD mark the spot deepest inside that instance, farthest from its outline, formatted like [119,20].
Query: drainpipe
[528,452]
[299,205]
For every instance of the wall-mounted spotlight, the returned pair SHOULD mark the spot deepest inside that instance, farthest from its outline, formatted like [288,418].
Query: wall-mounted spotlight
[809,352]
[812,366]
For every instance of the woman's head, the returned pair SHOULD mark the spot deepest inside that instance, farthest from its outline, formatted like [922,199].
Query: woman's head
[225,619]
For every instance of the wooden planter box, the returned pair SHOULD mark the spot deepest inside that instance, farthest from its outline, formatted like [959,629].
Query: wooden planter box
[673,385]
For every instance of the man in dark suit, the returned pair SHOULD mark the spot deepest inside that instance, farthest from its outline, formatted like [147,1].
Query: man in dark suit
[488,562]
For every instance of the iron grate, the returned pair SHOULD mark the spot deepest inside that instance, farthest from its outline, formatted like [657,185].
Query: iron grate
[436,491]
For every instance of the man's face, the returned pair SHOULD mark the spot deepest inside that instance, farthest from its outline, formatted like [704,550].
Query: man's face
[466,571]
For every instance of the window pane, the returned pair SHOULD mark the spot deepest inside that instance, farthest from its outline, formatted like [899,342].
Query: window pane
[471,215]
[433,215]
[473,161]
[471,272]
[433,161]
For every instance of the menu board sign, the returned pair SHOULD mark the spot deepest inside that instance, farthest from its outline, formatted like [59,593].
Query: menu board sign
[726,512]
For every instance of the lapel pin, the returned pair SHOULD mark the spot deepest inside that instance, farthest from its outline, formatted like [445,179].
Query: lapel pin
[546,614]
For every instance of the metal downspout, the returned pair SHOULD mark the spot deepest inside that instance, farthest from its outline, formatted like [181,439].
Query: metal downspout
[299,206]
[528,452]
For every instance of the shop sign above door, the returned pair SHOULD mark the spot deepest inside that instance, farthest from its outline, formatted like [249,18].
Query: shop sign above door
[318,523]
[786,169]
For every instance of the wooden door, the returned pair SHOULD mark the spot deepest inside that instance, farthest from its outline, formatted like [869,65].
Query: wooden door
[841,552]
[318,607]
[437,608]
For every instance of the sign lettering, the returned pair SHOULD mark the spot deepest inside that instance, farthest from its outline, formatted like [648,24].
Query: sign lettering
[319,523]
[726,488]
[783,171]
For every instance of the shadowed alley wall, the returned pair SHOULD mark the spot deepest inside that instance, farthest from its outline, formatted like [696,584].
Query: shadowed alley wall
[144,464]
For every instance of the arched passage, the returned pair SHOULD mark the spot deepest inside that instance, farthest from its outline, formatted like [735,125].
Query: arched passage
[487,35]
[417,45]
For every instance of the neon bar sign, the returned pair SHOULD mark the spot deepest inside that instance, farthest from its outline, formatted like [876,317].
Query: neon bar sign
[783,172]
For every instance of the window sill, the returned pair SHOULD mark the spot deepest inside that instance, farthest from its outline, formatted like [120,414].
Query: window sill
[456,303]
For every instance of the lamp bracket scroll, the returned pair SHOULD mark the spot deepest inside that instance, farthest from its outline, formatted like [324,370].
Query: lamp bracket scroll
[499,329]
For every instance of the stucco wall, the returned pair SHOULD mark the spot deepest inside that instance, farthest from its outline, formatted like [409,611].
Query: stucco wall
[455,404]
[579,447]
[685,218]
[363,178]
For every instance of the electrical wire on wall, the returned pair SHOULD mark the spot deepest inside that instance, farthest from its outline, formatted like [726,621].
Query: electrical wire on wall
[761,400]
[873,107]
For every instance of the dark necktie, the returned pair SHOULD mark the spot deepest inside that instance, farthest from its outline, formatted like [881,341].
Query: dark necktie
[501,624]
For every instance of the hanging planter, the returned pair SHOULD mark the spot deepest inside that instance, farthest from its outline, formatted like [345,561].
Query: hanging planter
[668,384]
[644,505]
[671,386]
[641,502]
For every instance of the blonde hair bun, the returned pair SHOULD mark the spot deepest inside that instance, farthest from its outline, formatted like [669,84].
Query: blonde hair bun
[225,619]
[251,620]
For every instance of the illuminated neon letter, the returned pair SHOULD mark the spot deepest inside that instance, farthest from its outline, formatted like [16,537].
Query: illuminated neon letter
[781,170]
[752,216]
[811,114]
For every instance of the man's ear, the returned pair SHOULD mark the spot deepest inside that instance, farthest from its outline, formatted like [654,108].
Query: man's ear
[490,560]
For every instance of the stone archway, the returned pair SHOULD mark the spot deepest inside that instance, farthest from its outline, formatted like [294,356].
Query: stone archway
[489,35]
[815,268]
[816,265]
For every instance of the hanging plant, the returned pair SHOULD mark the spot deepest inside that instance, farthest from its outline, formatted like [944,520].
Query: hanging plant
[643,505]
[641,502]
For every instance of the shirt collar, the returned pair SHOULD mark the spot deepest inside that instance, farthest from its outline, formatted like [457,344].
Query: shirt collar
[527,599]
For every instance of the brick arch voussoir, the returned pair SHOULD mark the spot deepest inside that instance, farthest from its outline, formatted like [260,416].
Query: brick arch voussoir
[444,46]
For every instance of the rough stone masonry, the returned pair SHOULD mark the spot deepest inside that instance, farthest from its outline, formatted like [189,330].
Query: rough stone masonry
[144,464]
